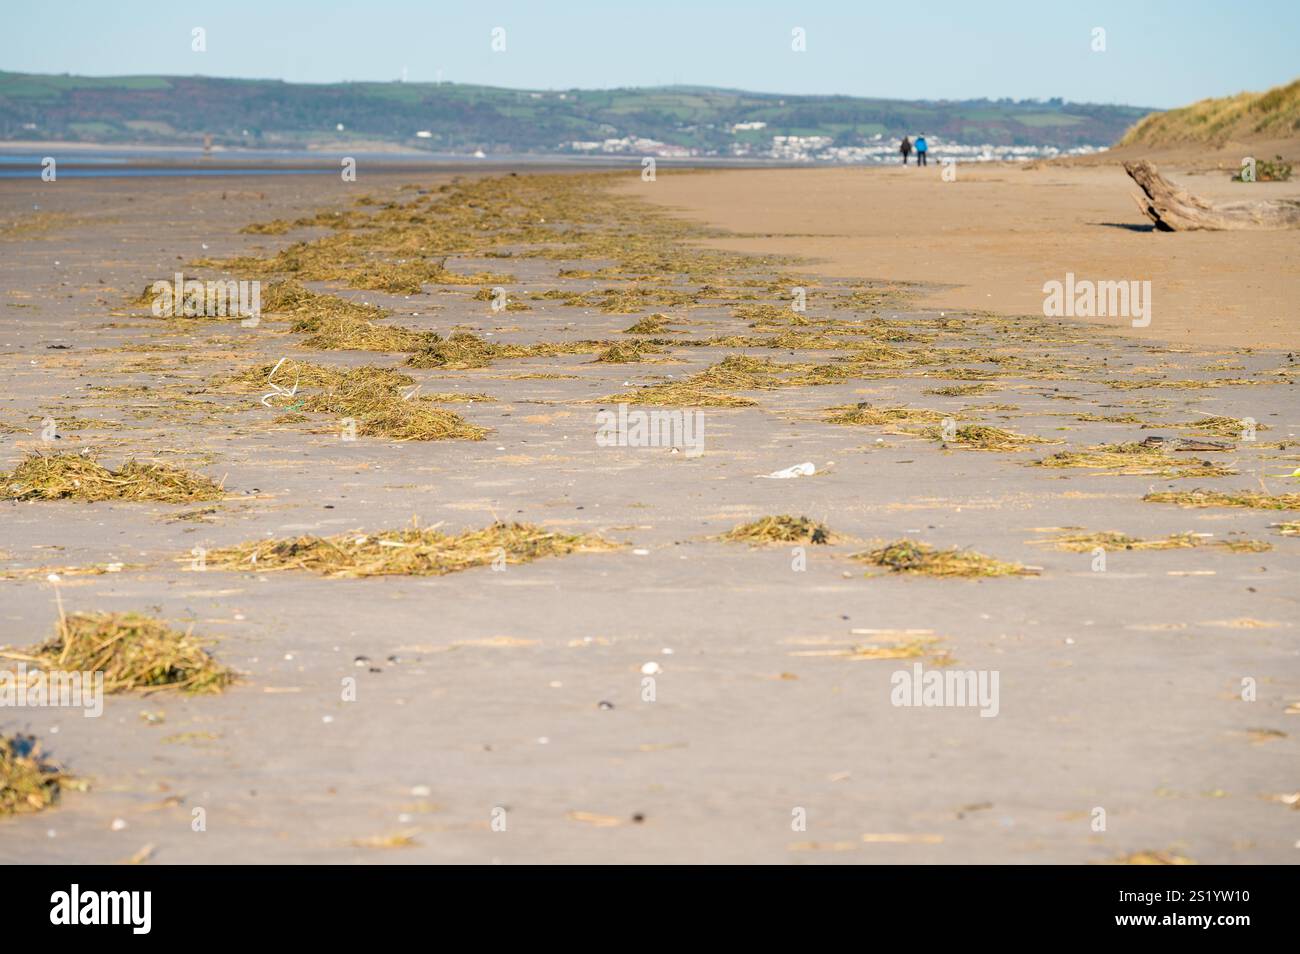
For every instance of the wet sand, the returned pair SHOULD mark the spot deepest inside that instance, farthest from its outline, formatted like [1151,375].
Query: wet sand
[996,233]
[1120,689]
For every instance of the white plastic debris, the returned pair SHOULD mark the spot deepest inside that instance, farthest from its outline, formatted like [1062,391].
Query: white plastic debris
[806,469]
[651,668]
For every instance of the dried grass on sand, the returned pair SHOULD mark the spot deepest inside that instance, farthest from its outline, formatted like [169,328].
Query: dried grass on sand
[134,652]
[1251,499]
[29,782]
[908,556]
[1084,542]
[75,477]
[413,551]
[780,529]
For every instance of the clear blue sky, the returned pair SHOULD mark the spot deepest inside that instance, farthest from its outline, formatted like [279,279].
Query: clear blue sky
[1159,53]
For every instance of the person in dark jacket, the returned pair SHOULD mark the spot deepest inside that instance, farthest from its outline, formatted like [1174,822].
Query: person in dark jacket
[905,148]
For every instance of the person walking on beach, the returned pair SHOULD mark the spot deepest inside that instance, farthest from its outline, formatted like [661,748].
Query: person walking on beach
[921,149]
[905,147]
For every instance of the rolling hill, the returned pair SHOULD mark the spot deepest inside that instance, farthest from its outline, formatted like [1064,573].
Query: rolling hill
[446,117]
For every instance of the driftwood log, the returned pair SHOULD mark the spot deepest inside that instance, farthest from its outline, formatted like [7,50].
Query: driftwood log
[1174,210]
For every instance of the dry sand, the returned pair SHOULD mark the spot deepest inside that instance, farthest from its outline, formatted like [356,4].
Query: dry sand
[994,235]
[1120,690]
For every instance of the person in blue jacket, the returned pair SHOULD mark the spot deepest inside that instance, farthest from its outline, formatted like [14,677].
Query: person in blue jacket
[921,148]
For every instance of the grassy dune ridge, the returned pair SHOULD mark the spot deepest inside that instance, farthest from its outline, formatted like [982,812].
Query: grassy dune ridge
[1274,114]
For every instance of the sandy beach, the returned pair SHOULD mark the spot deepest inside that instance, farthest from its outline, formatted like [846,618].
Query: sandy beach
[506,716]
[992,236]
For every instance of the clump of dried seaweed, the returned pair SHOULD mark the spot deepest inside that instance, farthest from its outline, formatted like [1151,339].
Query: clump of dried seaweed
[911,557]
[780,529]
[413,551]
[78,477]
[1135,459]
[679,394]
[1251,499]
[335,323]
[371,398]
[735,372]
[273,227]
[963,390]
[409,276]
[464,350]
[134,652]
[378,401]
[983,437]
[627,352]
[767,315]
[1083,542]
[655,324]
[863,413]
[460,351]
[29,782]
[1221,426]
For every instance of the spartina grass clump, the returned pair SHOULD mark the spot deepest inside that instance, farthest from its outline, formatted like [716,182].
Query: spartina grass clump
[628,301]
[465,350]
[413,551]
[1249,499]
[736,372]
[627,352]
[963,390]
[135,653]
[373,400]
[273,227]
[1222,426]
[458,352]
[921,559]
[352,333]
[334,323]
[78,477]
[29,782]
[377,401]
[864,414]
[1085,542]
[655,324]
[780,529]
[983,437]
[679,394]
[409,277]
[1135,459]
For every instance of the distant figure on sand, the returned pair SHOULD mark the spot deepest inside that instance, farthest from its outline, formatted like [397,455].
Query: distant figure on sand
[905,148]
[921,149]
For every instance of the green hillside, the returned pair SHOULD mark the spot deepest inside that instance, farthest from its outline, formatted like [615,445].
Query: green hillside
[462,118]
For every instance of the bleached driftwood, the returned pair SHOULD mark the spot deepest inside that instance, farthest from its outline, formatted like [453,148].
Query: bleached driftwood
[1175,210]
